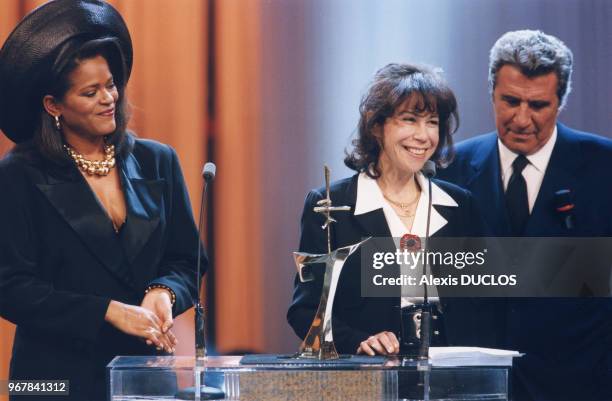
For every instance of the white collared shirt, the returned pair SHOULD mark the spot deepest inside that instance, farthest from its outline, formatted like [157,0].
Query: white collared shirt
[370,198]
[533,172]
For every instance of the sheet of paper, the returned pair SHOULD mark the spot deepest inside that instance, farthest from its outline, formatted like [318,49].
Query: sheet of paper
[471,356]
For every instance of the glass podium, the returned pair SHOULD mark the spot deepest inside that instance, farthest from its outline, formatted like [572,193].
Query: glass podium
[164,378]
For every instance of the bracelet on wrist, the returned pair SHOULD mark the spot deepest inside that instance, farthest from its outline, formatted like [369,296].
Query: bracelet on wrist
[163,287]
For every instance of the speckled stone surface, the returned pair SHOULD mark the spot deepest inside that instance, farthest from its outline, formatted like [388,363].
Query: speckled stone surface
[314,386]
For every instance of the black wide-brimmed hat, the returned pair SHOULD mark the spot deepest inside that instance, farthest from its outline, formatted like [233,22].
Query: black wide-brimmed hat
[34,48]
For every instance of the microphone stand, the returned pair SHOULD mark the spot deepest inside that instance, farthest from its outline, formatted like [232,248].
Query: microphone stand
[426,328]
[422,366]
[419,335]
[200,391]
[200,332]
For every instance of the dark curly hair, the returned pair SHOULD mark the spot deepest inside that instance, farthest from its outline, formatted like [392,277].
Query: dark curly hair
[391,87]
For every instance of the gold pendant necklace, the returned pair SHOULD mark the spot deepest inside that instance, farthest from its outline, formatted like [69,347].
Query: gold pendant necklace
[405,215]
[403,206]
[94,167]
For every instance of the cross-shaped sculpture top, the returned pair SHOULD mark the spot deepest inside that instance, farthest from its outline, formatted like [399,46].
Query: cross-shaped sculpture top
[318,343]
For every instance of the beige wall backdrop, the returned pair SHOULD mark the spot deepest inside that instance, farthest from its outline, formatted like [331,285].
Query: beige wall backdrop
[239,271]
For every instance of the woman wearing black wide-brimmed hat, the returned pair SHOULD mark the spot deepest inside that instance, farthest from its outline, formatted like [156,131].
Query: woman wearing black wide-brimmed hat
[97,238]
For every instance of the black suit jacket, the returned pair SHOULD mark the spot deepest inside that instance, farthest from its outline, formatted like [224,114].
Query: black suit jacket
[61,262]
[355,318]
[567,341]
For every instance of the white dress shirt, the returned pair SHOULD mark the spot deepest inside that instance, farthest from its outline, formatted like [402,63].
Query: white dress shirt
[533,172]
[370,197]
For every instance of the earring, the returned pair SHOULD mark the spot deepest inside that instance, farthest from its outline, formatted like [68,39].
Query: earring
[58,126]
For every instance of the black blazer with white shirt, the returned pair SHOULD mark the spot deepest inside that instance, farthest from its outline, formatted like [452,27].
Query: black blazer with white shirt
[61,261]
[355,318]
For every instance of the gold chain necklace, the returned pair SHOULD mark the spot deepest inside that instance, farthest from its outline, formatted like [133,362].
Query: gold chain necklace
[94,167]
[403,206]
[400,214]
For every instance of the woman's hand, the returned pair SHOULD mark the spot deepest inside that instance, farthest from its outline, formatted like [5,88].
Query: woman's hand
[159,301]
[383,343]
[140,322]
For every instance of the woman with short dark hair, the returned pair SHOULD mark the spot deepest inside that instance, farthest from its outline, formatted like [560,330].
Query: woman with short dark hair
[392,86]
[407,116]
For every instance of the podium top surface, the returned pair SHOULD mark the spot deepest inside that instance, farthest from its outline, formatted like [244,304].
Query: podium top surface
[233,363]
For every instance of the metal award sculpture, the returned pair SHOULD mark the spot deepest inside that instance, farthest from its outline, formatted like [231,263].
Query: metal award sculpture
[319,342]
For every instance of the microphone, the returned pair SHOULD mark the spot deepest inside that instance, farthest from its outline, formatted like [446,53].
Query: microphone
[201,391]
[209,171]
[429,170]
[564,204]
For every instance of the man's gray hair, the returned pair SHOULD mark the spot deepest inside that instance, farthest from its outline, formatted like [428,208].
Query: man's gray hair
[534,53]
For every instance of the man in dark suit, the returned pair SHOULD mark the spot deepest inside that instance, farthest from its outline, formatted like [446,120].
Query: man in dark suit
[535,177]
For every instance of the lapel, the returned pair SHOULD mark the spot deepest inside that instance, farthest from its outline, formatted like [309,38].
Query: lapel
[144,202]
[486,185]
[565,160]
[439,200]
[373,223]
[74,200]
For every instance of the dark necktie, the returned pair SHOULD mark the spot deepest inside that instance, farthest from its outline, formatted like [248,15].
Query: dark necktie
[516,196]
